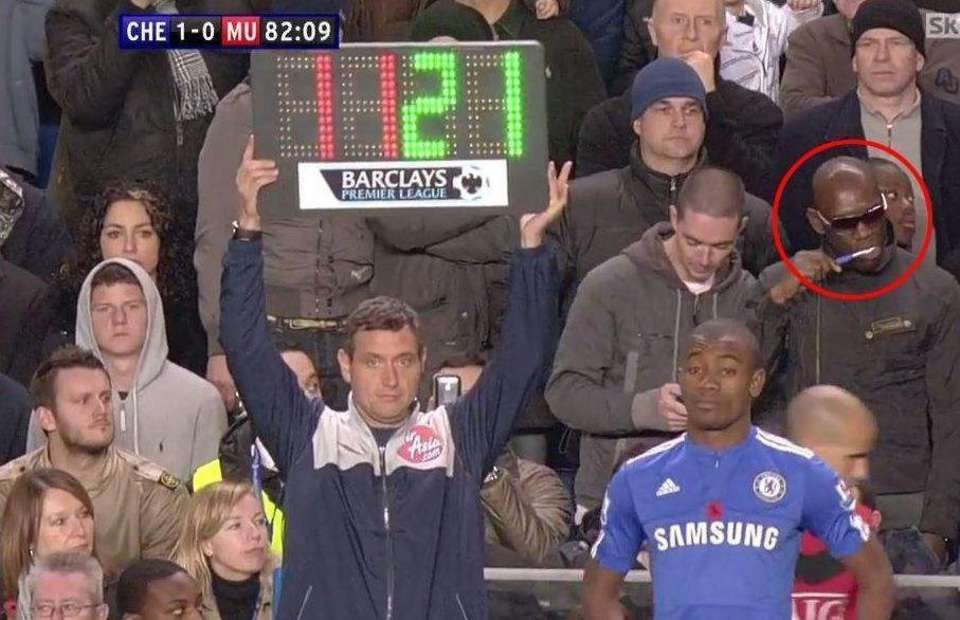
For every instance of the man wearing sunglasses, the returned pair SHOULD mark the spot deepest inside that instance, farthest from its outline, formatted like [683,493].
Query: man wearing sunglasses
[887,107]
[898,353]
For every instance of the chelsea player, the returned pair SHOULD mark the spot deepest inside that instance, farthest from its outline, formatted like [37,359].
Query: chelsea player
[722,507]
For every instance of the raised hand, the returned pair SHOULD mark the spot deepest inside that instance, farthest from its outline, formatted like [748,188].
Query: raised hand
[813,264]
[253,175]
[534,225]
[547,9]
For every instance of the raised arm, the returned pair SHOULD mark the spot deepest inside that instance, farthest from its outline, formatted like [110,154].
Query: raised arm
[483,419]
[282,415]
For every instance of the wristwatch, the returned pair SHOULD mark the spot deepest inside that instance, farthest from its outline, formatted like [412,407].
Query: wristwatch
[494,475]
[242,234]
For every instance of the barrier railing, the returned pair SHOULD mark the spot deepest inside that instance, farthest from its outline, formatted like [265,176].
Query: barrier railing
[642,576]
[552,594]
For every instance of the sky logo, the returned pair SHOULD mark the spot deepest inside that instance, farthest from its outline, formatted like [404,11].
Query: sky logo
[943,25]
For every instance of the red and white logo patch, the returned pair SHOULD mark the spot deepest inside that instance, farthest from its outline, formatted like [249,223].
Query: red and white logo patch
[420,444]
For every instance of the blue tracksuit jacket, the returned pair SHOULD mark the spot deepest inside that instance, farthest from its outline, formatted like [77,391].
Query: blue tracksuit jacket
[394,533]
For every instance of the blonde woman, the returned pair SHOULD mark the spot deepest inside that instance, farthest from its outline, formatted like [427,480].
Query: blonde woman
[224,545]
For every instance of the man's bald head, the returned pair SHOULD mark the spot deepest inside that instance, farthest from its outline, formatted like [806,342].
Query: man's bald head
[836,425]
[841,175]
[712,191]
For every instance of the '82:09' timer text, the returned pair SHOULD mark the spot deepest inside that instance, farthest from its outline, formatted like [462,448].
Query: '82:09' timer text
[229,31]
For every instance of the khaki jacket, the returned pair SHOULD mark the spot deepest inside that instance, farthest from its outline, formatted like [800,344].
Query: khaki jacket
[526,510]
[138,506]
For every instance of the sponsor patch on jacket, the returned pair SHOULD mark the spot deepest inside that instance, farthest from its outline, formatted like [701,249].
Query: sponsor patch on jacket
[891,325]
[421,444]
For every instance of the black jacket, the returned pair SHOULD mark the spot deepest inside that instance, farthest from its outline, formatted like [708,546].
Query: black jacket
[940,155]
[574,84]
[637,48]
[742,130]
[21,297]
[611,210]
[899,354]
[118,105]
[15,411]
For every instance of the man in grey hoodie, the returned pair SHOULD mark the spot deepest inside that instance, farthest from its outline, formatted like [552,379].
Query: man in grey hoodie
[162,412]
[615,372]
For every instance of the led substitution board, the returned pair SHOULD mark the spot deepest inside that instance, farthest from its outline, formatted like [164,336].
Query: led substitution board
[380,128]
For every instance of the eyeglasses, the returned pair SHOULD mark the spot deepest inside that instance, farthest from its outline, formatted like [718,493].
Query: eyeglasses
[69,609]
[869,217]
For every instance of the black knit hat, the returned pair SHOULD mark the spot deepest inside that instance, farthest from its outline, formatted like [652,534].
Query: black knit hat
[451,19]
[900,15]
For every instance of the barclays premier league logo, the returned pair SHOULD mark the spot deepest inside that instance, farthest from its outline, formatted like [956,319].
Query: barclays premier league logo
[475,183]
[770,486]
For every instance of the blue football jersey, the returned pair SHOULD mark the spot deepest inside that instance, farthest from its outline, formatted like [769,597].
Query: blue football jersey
[723,529]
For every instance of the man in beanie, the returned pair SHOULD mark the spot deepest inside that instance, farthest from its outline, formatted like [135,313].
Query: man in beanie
[743,125]
[612,209]
[887,107]
[818,68]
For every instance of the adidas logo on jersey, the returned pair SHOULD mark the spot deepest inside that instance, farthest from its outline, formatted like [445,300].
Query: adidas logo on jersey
[668,487]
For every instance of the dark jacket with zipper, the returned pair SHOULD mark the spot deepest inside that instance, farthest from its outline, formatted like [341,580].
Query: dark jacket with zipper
[391,532]
[621,344]
[118,105]
[610,210]
[742,131]
[899,353]
[840,119]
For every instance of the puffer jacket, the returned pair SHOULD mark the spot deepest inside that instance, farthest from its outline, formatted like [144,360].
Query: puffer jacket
[621,344]
[118,105]
[526,513]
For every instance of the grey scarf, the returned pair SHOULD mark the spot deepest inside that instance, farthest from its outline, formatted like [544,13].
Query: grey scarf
[196,95]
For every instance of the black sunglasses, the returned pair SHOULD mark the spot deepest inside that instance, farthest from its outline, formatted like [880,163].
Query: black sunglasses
[869,217]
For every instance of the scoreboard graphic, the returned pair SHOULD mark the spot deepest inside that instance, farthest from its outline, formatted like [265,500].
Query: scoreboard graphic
[377,128]
[210,32]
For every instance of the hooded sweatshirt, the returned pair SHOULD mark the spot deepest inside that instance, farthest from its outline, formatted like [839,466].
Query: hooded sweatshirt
[171,416]
[622,343]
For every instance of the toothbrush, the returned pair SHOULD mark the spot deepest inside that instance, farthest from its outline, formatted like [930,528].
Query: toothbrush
[846,258]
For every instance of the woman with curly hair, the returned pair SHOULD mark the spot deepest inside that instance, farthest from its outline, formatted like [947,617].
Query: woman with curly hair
[224,545]
[135,220]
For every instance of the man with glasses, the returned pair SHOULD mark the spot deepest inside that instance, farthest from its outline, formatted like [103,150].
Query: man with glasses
[898,353]
[66,585]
